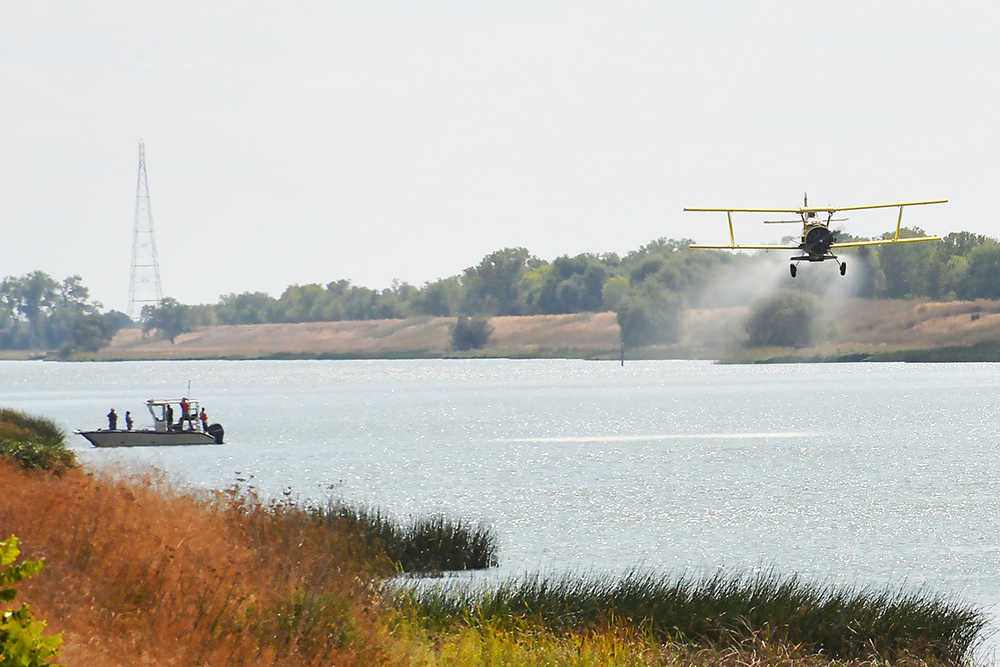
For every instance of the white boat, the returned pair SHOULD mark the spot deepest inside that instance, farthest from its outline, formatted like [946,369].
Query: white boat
[165,432]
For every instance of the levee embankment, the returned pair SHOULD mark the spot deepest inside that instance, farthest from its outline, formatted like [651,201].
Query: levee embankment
[864,330]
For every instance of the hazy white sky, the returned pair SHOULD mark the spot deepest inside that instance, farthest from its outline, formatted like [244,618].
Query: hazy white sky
[314,141]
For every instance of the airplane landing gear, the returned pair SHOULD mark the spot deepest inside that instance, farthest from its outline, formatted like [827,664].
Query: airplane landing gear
[792,269]
[843,268]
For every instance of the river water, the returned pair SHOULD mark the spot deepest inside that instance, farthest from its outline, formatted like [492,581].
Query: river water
[846,473]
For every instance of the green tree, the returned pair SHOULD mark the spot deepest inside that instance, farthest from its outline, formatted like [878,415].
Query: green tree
[117,320]
[567,285]
[32,295]
[789,318]
[650,317]
[22,643]
[38,312]
[493,287]
[245,308]
[441,298]
[303,303]
[907,266]
[671,264]
[91,333]
[70,305]
[170,318]
[982,275]
[613,291]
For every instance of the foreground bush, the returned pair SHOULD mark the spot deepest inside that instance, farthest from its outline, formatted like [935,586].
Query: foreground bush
[34,442]
[22,643]
[720,611]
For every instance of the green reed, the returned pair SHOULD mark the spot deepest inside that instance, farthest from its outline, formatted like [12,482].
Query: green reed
[843,623]
[423,545]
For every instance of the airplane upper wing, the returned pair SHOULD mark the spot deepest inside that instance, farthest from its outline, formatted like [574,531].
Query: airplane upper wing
[898,205]
[819,209]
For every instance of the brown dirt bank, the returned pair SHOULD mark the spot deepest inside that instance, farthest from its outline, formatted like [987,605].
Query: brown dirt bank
[540,335]
[865,329]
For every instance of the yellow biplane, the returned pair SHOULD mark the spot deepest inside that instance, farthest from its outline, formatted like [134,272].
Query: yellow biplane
[818,240]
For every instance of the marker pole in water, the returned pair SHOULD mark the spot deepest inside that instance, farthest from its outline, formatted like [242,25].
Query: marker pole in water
[623,354]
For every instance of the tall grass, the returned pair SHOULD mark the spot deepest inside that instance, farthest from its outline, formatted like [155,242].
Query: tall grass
[138,573]
[720,610]
[424,545]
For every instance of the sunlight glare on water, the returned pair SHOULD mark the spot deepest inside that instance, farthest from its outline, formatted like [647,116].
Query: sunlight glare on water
[854,473]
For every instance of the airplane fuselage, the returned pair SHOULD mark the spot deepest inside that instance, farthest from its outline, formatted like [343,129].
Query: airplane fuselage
[816,241]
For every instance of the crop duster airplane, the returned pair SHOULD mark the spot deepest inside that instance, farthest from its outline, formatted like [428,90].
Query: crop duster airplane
[818,240]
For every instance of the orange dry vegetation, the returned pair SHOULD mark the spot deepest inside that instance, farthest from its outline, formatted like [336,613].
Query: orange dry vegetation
[138,574]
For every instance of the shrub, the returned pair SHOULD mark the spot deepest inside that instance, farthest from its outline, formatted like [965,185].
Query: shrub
[651,317]
[34,442]
[37,455]
[789,318]
[471,333]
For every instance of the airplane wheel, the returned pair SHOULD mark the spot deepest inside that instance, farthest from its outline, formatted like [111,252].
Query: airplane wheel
[792,269]
[843,268]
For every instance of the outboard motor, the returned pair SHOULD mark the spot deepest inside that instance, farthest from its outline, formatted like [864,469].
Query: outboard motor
[216,431]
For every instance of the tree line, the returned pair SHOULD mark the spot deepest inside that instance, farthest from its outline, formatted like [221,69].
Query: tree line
[648,288]
[39,312]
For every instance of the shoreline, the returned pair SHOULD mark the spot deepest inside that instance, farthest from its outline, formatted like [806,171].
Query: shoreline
[866,331]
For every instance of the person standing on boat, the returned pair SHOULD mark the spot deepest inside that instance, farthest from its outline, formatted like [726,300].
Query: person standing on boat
[185,408]
[204,420]
[112,420]
[128,420]
[170,418]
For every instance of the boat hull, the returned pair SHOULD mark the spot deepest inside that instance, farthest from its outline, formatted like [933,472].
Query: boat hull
[146,438]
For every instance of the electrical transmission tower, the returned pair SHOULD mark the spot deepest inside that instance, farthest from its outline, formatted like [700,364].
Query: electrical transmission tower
[144,285]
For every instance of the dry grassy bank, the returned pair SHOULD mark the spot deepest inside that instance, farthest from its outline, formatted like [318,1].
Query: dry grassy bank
[862,328]
[542,335]
[139,574]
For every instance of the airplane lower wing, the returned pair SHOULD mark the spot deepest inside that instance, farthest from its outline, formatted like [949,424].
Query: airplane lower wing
[858,244]
[745,247]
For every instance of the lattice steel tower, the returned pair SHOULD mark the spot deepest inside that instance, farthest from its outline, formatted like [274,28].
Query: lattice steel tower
[144,285]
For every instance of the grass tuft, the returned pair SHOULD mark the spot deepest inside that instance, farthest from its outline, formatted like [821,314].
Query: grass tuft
[424,545]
